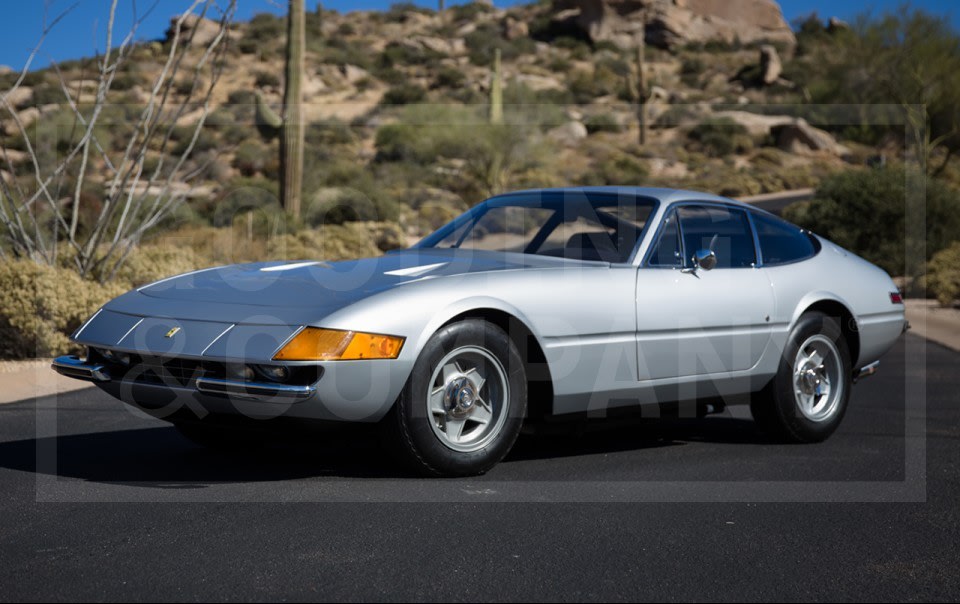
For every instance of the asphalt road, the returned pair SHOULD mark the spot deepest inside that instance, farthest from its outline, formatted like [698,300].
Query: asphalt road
[99,503]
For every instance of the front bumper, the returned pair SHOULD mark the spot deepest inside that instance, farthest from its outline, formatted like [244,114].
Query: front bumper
[74,367]
[348,391]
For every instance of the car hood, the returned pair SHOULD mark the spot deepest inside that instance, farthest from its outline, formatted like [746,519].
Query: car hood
[312,283]
[247,311]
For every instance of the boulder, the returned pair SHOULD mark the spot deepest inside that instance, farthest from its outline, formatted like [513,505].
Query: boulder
[800,137]
[19,97]
[200,30]
[675,22]
[568,134]
[539,82]
[770,65]
[353,74]
[445,46]
[515,28]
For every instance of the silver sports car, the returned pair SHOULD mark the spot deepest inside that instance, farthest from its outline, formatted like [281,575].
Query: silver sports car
[532,306]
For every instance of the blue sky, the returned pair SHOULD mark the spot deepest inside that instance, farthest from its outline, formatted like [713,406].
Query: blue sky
[82,32]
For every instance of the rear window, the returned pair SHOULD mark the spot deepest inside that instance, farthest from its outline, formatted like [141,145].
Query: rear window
[780,241]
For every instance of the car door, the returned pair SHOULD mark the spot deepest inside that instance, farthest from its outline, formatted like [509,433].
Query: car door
[692,321]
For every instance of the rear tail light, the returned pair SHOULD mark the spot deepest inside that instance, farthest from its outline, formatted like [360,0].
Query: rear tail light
[896,298]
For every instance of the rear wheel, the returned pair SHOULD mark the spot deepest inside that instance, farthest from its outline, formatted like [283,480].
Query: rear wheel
[807,399]
[464,404]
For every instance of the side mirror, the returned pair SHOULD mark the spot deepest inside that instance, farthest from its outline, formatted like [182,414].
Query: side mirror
[705,259]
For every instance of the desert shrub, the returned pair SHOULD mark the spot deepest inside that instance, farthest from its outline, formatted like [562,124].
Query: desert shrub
[339,205]
[483,41]
[403,94]
[718,137]
[152,262]
[40,305]
[263,79]
[402,54]
[865,211]
[250,157]
[244,195]
[330,242]
[399,11]
[469,11]
[206,141]
[265,27]
[449,77]
[617,169]
[434,215]
[603,122]
[943,274]
[585,86]
[324,134]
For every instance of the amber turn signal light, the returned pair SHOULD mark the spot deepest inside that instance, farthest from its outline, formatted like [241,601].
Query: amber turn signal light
[316,344]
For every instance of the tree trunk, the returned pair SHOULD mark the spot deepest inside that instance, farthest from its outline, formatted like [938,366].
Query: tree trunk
[291,148]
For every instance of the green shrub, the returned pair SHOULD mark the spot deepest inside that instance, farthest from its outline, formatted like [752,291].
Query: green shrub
[617,169]
[339,205]
[243,195]
[469,11]
[719,137]
[319,135]
[943,274]
[330,242]
[41,305]
[865,211]
[250,158]
[603,122]
[403,94]
[449,77]
[264,79]
[149,263]
[483,41]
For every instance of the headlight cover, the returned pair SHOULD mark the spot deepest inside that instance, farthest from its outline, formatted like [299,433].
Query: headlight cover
[317,344]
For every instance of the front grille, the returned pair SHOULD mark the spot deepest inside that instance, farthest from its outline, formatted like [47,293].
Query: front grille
[170,372]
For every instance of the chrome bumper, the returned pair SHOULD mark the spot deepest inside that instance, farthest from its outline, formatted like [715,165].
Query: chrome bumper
[865,371]
[74,367]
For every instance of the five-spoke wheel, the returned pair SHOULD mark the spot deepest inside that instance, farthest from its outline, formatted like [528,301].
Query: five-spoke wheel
[807,399]
[464,403]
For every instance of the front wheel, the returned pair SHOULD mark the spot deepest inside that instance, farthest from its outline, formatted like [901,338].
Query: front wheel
[463,406]
[807,399]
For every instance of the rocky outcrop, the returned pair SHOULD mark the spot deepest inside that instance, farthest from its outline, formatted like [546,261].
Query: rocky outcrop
[568,134]
[675,22]
[800,137]
[199,30]
[794,135]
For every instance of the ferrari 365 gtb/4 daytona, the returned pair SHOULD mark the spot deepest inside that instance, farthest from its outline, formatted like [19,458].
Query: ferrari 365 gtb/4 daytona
[555,302]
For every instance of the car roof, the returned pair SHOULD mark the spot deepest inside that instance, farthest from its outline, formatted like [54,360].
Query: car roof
[663,195]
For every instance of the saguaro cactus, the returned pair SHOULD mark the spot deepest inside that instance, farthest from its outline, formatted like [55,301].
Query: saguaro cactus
[642,93]
[496,91]
[291,144]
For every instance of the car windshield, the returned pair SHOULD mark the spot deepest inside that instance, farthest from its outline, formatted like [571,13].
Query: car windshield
[581,226]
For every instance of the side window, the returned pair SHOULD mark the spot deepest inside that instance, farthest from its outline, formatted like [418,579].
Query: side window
[666,251]
[724,230]
[780,241]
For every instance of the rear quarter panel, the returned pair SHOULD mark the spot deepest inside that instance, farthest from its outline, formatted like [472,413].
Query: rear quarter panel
[840,276]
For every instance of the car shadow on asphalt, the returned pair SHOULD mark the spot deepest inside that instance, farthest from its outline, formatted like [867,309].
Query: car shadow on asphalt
[159,457]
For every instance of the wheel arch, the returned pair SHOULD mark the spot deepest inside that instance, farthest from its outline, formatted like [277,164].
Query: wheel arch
[539,379]
[848,322]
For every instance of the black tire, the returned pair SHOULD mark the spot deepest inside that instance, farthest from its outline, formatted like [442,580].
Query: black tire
[418,436]
[220,438]
[777,409]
